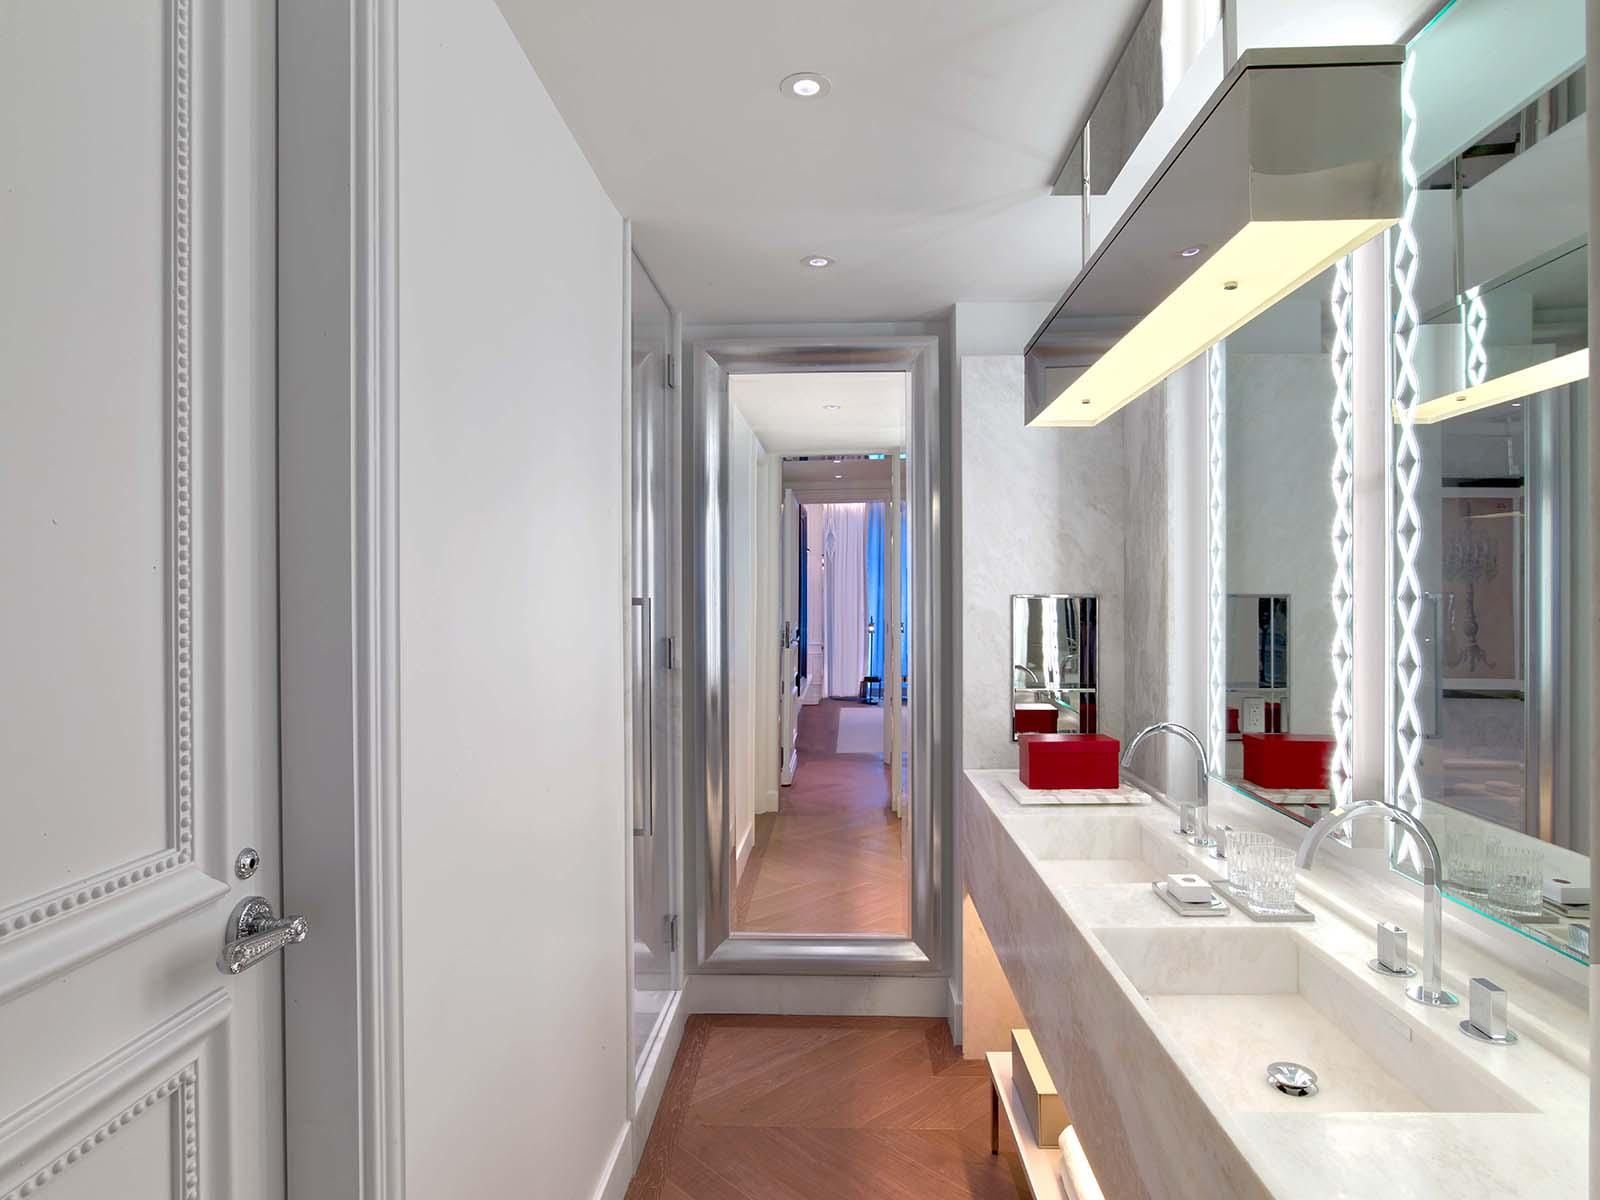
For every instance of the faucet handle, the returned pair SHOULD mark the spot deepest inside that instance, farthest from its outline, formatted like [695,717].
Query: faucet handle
[1393,955]
[1486,1014]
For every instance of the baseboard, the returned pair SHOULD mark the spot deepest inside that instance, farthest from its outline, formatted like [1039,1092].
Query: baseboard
[821,995]
[746,844]
[619,1167]
[786,777]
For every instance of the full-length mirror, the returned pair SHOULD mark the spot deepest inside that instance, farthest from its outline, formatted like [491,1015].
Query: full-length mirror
[1054,664]
[1489,472]
[1280,433]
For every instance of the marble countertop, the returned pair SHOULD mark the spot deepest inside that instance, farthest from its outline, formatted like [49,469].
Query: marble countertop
[1160,1114]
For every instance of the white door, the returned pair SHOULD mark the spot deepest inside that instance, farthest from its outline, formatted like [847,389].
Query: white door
[138,696]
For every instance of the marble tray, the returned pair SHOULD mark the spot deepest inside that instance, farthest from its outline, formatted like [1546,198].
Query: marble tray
[1073,796]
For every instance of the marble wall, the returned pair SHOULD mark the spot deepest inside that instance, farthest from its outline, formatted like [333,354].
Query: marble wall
[1042,510]
[1147,598]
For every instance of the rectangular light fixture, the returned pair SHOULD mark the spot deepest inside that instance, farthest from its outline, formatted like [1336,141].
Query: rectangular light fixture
[1259,265]
[1291,164]
[1513,385]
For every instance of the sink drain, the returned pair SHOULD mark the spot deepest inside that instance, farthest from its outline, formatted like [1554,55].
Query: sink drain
[1292,1079]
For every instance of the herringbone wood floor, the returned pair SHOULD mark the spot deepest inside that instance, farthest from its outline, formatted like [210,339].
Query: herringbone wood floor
[824,1108]
[830,859]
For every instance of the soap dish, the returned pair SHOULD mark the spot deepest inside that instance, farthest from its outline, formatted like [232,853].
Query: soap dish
[1215,907]
[1242,902]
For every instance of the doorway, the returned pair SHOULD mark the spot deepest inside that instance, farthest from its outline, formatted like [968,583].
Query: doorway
[830,855]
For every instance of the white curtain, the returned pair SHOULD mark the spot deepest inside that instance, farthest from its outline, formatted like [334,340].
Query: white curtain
[844,608]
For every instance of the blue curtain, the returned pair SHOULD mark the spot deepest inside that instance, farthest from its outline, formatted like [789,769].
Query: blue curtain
[875,589]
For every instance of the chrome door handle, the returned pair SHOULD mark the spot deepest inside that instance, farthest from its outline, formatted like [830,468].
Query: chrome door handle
[255,932]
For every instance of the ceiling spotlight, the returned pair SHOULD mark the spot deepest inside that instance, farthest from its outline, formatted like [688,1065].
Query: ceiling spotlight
[1231,286]
[1189,251]
[837,461]
[831,407]
[838,476]
[805,85]
[819,261]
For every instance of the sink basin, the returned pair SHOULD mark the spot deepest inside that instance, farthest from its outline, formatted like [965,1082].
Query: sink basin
[1093,846]
[1235,999]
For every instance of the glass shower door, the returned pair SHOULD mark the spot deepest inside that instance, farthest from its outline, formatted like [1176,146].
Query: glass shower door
[653,620]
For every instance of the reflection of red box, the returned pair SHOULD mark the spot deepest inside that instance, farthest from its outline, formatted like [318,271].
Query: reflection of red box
[1053,761]
[1039,718]
[1287,760]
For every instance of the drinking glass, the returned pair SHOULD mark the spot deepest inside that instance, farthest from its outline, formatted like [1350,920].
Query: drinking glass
[1516,881]
[1241,848]
[1466,865]
[1273,887]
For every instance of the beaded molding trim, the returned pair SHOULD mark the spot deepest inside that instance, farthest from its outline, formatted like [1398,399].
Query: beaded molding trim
[39,910]
[185,1085]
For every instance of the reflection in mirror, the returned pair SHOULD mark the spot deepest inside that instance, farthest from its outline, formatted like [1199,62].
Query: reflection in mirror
[1490,472]
[1277,677]
[1054,660]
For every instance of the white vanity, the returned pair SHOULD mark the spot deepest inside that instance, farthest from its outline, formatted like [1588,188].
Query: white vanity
[1158,1029]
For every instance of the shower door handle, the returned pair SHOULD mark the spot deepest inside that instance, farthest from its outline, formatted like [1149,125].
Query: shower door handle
[644,734]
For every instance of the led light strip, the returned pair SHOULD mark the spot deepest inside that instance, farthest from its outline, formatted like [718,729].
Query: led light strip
[1477,332]
[1342,772]
[1409,599]
[1217,545]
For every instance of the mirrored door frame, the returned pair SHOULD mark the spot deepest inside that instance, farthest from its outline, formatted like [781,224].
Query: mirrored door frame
[710,845]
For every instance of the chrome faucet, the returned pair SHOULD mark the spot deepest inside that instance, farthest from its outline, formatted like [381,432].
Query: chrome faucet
[1033,676]
[1200,835]
[1431,990]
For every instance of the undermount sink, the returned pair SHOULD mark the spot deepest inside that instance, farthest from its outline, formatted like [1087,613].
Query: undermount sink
[1236,999]
[1092,846]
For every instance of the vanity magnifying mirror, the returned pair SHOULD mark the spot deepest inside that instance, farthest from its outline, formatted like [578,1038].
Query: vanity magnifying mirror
[1280,525]
[1054,664]
[1488,472]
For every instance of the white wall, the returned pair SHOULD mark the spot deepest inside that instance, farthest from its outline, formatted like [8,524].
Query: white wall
[512,613]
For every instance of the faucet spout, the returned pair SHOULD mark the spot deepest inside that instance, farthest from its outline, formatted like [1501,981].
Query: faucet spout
[1201,833]
[1431,990]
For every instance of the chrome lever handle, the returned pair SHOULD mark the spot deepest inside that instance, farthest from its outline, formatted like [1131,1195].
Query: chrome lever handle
[254,932]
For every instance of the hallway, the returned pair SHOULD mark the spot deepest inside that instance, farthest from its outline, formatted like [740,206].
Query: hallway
[761,1107]
[830,860]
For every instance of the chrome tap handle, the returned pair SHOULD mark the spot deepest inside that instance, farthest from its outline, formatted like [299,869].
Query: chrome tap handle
[254,932]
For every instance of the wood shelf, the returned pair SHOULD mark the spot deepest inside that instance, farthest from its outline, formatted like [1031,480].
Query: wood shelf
[1039,1164]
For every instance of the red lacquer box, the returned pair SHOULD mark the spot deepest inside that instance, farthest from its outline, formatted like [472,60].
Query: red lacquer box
[1056,761]
[1291,761]
[1040,718]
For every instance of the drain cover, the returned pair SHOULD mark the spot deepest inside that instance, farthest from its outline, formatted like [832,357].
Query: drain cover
[1292,1079]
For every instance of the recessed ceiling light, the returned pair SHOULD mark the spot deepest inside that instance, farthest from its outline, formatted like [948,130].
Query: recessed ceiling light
[831,407]
[805,85]
[838,476]
[1231,286]
[818,260]
[1190,251]
[837,461]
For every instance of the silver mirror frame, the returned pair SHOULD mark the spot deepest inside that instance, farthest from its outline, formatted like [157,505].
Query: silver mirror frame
[709,892]
[1342,426]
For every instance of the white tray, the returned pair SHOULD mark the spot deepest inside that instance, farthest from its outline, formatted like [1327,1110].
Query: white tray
[1072,796]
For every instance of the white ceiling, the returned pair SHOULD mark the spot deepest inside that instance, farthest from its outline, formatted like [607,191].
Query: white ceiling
[790,413]
[925,173]
[823,477]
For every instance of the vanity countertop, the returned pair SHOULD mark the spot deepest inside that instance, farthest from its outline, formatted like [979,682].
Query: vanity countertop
[1158,1028]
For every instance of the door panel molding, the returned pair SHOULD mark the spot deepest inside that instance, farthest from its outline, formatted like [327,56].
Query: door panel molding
[161,1069]
[29,913]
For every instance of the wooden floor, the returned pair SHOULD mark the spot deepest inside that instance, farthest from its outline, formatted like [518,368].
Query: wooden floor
[830,859]
[824,1108]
